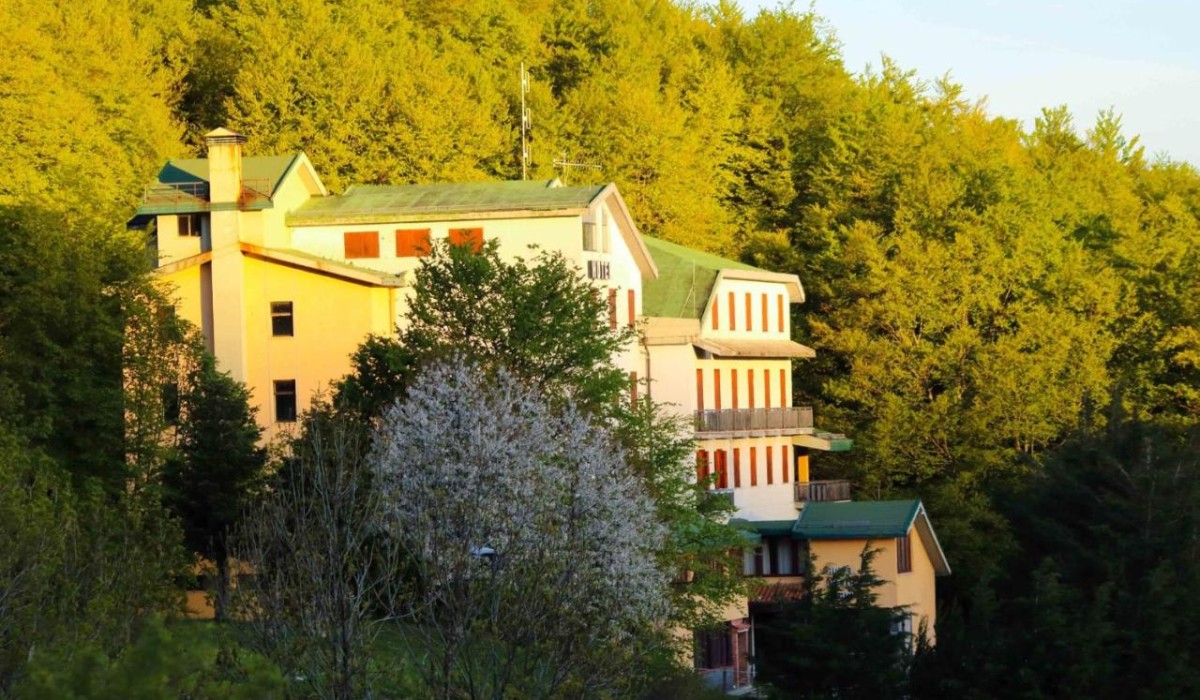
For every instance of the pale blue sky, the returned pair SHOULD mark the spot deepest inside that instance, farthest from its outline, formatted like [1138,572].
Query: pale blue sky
[1140,58]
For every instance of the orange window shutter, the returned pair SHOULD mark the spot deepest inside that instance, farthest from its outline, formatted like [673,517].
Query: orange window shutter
[722,470]
[471,237]
[767,388]
[732,313]
[633,390]
[754,466]
[779,305]
[361,244]
[612,309]
[733,388]
[699,390]
[783,462]
[701,465]
[737,468]
[632,307]
[766,309]
[750,312]
[750,388]
[412,243]
[770,466]
[717,389]
[716,315]
[783,391]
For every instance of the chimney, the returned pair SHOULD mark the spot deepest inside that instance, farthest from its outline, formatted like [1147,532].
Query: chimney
[224,166]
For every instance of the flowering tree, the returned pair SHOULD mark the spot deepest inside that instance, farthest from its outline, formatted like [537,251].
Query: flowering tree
[532,546]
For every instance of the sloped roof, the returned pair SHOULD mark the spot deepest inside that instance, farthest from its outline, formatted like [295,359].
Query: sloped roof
[374,201]
[269,168]
[866,520]
[685,279]
[181,187]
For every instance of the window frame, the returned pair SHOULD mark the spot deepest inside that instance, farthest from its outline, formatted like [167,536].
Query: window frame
[904,555]
[279,317]
[282,392]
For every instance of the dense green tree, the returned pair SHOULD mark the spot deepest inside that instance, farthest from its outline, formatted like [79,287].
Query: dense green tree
[219,469]
[835,642]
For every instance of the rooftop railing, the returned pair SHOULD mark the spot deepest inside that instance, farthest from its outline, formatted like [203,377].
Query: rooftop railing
[822,491]
[196,192]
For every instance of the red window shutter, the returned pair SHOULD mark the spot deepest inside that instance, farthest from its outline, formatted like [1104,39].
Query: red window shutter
[699,390]
[750,312]
[754,466]
[783,462]
[733,387]
[732,313]
[722,470]
[633,390]
[716,315]
[770,465]
[361,244]
[717,389]
[737,468]
[412,242]
[750,388]
[472,237]
[612,309]
[701,465]
[632,307]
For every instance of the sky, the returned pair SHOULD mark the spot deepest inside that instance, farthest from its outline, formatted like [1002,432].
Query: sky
[1142,59]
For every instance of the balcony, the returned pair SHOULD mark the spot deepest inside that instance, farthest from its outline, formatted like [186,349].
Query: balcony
[193,195]
[822,491]
[754,422]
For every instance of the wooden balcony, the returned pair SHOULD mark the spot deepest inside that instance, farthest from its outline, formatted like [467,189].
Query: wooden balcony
[822,491]
[792,420]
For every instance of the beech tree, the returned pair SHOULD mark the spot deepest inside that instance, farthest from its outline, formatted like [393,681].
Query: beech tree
[532,547]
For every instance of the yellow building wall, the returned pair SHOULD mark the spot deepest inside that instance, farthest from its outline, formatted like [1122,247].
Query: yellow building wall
[916,589]
[331,317]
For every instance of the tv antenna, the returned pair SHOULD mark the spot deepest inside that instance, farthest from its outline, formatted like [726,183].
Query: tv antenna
[565,164]
[524,123]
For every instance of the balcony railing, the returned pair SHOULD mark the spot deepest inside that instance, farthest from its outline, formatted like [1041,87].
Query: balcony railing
[822,491]
[196,193]
[794,419]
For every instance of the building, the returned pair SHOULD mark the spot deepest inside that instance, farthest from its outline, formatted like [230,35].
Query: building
[285,280]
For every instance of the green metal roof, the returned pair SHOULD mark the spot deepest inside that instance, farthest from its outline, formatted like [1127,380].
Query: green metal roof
[766,527]
[685,279]
[362,202]
[182,186]
[856,519]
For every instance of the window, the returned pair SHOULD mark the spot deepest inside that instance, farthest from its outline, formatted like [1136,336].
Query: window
[470,237]
[750,388]
[715,316]
[632,307]
[717,389]
[770,465]
[732,313]
[766,309]
[722,470]
[612,309]
[361,244]
[903,624]
[170,403]
[766,388]
[783,389]
[903,555]
[737,468]
[281,318]
[591,237]
[779,305]
[285,401]
[783,462]
[189,224]
[701,465]
[733,388]
[633,390]
[754,466]
[699,390]
[412,242]
[714,648]
[750,312]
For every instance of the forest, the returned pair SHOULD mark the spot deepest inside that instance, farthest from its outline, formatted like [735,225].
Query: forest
[1007,315]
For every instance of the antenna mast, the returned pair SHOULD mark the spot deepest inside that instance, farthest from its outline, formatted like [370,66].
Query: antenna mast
[524,123]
